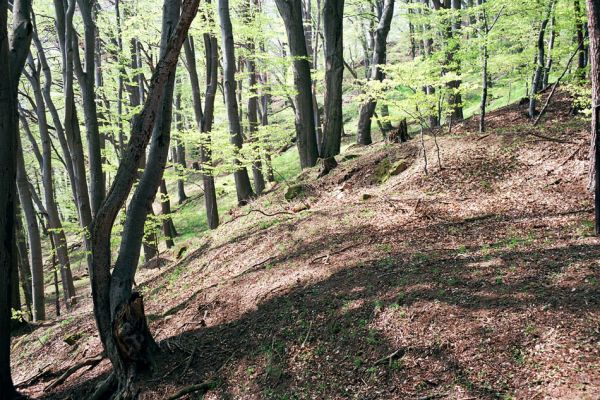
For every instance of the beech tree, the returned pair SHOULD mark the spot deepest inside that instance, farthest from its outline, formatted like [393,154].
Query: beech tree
[119,311]
[306,134]
[240,174]
[12,60]
[594,29]
[333,18]
[367,110]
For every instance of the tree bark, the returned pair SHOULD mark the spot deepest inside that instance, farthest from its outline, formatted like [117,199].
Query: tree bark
[204,119]
[242,181]
[112,293]
[333,26]
[257,173]
[536,84]
[167,222]
[291,13]
[179,153]
[12,59]
[35,243]
[54,220]
[379,56]
[594,32]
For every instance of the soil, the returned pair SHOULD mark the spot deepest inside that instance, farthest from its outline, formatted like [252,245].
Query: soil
[478,280]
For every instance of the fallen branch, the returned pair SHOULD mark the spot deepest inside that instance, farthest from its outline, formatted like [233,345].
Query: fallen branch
[41,373]
[390,357]
[89,362]
[331,254]
[258,211]
[202,388]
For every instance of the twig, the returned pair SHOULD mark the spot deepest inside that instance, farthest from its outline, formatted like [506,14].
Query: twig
[389,357]
[41,372]
[331,254]
[189,362]
[543,110]
[260,212]
[202,388]
[307,334]
[91,362]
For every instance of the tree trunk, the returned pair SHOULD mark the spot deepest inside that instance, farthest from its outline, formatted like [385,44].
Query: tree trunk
[167,222]
[257,173]
[333,19]
[536,84]
[549,59]
[86,80]
[12,59]
[179,152]
[54,220]
[581,57]
[204,119]
[242,181]
[35,243]
[23,261]
[379,56]
[291,13]
[112,293]
[594,29]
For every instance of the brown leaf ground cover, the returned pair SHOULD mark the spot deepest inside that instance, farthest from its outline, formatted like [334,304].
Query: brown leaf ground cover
[480,280]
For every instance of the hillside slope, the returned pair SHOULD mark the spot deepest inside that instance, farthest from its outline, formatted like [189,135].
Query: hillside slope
[479,280]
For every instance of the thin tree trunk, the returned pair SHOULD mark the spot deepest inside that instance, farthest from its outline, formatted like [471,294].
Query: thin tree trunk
[536,84]
[167,222]
[257,173]
[242,181]
[379,56]
[333,17]
[179,152]
[581,57]
[291,13]
[35,243]
[204,120]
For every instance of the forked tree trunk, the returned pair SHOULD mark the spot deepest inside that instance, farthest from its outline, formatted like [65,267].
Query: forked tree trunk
[306,134]
[242,181]
[204,119]
[536,84]
[119,313]
[379,56]
[333,19]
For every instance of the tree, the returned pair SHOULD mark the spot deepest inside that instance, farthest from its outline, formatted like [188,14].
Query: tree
[594,29]
[367,110]
[333,19]
[33,235]
[536,83]
[118,311]
[12,60]
[204,119]
[291,13]
[240,174]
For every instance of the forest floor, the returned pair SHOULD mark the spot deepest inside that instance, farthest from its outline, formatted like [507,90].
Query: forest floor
[479,280]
